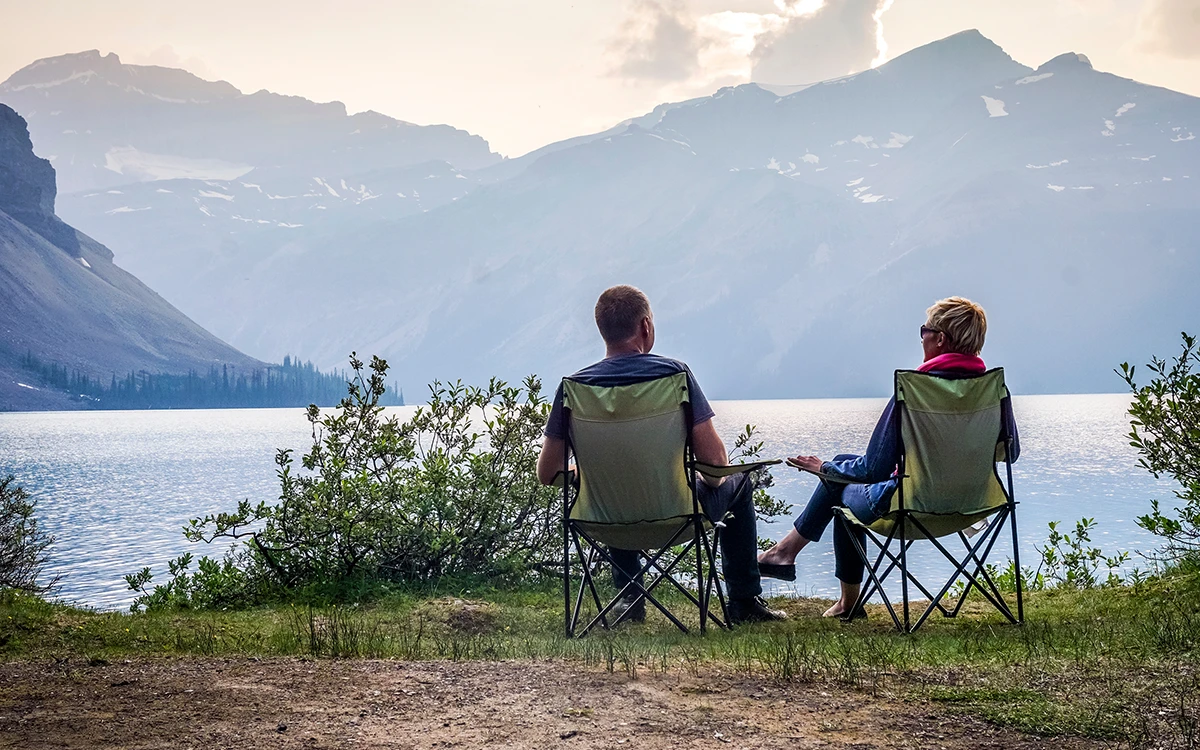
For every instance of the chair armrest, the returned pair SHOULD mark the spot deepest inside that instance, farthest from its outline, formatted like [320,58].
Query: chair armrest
[558,479]
[715,472]
[826,477]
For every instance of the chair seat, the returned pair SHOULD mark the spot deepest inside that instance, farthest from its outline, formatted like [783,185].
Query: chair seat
[641,534]
[938,524]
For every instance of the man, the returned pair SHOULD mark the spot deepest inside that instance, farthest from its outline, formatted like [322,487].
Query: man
[627,326]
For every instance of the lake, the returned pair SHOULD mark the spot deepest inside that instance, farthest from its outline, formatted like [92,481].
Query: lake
[116,487]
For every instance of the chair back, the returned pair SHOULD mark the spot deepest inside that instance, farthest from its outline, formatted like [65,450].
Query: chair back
[951,433]
[631,449]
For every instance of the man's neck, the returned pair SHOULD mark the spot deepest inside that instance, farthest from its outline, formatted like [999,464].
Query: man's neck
[613,352]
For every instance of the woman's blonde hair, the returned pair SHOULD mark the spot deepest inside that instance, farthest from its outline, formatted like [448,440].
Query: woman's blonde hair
[963,322]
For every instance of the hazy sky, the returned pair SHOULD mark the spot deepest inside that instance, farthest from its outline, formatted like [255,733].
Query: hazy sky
[523,73]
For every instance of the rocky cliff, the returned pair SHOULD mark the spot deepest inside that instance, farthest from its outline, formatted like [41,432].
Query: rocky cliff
[64,301]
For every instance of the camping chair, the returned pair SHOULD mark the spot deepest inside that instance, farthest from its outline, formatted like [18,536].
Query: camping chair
[951,440]
[634,489]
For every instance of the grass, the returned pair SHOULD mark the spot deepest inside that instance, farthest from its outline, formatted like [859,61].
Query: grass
[1118,664]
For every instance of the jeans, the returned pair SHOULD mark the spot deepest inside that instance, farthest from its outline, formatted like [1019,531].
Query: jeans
[739,538]
[811,523]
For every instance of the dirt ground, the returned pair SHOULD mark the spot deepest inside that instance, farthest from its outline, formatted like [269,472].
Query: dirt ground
[293,703]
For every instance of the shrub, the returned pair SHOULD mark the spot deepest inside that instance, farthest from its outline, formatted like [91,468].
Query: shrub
[450,491]
[1165,430]
[22,544]
[1069,560]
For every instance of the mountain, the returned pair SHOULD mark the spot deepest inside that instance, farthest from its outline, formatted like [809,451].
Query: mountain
[196,183]
[105,123]
[66,302]
[790,243]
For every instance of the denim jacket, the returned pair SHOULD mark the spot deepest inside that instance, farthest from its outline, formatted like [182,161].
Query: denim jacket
[877,469]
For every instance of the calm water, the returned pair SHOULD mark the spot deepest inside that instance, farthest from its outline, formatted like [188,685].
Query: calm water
[116,487]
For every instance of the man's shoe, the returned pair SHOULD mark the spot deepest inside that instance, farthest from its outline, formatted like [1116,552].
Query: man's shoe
[629,608]
[754,609]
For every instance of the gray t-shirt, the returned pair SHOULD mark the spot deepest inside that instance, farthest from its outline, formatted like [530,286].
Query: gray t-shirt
[627,370]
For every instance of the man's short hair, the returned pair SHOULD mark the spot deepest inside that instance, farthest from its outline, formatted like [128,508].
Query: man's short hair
[963,322]
[620,311]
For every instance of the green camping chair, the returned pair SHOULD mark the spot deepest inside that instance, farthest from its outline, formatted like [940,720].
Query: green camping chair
[634,489]
[952,442]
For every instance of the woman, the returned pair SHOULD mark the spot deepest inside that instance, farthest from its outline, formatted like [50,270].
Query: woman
[951,338]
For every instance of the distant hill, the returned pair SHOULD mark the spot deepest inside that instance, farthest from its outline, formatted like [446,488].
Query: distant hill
[65,302]
[220,181]
[790,243]
[105,123]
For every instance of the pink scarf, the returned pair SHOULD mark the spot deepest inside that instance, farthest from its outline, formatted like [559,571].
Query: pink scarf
[954,361]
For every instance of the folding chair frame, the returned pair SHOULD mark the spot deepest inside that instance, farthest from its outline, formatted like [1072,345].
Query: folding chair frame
[707,579]
[976,578]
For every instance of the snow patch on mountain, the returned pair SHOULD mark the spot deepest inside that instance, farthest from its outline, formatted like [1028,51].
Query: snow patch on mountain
[126,210]
[1057,188]
[84,74]
[1047,166]
[325,185]
[1125,108]
[811,159]
[995,107]
[897,140]
[142,165]
[1032,79]
[214,194]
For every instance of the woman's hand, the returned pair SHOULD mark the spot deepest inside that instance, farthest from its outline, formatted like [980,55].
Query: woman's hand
[807,463]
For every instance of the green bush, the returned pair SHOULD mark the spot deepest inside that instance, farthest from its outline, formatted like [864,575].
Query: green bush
[23,545]
[1069,560]
[1165,430]
[451,491]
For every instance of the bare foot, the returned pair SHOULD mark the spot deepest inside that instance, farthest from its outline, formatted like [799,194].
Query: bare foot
[785,550]
[776,557]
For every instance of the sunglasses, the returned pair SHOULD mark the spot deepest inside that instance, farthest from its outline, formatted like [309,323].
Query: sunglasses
[927,329]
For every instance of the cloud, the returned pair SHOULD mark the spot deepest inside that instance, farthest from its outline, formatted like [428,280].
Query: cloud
[659,41]
[166,56]
[1170,27]
[671,46]
[836,39]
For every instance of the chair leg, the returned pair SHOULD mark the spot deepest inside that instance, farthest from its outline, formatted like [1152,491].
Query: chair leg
[701,583]
[876,581]
[1016,554]
[645,591]
[713,580]
[904,569]
[591,582]
[961,568]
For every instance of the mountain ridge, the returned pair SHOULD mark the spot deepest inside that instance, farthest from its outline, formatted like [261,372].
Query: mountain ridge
[759,221]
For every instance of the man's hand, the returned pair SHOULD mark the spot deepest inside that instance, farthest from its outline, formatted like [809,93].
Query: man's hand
[807,463]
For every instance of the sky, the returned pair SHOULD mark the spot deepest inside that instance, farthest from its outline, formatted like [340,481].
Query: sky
[524,73]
